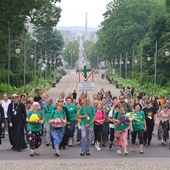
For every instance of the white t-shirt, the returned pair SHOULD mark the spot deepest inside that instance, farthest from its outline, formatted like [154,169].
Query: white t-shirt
[5,105]
[111,125]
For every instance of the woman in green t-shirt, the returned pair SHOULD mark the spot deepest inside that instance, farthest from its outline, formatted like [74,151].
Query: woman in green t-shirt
[120,131]
[138,126]
[59,117]
[72,110]
[35,130]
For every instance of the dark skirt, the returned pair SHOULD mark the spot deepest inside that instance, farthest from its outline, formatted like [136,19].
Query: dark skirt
[16,135]
[65,137]
[163,131]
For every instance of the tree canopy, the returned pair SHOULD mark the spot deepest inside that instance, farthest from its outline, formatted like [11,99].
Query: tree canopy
[130,25]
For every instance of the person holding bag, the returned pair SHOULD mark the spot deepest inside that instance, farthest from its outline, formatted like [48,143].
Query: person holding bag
[57,123]
[35,130]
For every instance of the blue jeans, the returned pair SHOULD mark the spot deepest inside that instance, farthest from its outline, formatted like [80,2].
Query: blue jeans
[72,129]
[86,137]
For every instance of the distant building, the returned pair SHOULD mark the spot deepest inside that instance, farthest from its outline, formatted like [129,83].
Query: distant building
[67,36]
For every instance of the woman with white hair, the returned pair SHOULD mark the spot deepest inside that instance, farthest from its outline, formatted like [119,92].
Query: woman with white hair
[35,120]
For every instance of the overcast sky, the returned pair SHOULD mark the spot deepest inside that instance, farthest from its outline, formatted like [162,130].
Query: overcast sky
[74,12]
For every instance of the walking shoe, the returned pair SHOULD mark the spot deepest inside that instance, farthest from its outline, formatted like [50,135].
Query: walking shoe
[141,152]
[126,152]
[98,149]
[119,152]
[82,153]
[92,142]
[70,143]
[88,153]
[110,146]
[103,145]
[47,144]
[96,145]
[133,150]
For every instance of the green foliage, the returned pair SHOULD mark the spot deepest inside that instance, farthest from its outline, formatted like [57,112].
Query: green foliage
[14,15]
[49,40]
[91,53]
[71,53]
[133,25]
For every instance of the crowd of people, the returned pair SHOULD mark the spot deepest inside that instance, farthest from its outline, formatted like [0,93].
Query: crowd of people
[97,122]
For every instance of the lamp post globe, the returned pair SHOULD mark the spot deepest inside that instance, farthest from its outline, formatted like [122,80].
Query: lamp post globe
[167,53]
[17,50]
[149,58]
[31,56]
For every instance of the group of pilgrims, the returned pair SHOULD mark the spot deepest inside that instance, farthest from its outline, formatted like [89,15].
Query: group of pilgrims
[77,120]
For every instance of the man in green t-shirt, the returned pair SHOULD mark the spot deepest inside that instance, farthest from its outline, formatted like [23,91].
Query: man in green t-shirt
[87,116]
[48,109]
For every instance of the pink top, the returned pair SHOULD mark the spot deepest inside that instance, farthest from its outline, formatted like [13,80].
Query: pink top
[100,115]
[164,115]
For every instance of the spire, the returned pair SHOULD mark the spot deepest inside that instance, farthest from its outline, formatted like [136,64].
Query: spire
[86,24]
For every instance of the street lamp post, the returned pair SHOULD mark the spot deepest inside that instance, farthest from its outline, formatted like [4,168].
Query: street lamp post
[126,65]
[155,62]
[134,61]
[120,63]
[33,55]
[9,54]
[141,69]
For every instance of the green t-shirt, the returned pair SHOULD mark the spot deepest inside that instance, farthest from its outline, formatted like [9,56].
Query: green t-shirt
[138,125]
[91,113]
[55,114]
[72,110]
[106,110]
[121,127]
[31,126]
[47,111]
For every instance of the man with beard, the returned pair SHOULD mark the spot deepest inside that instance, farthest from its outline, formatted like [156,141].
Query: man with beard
[16,120]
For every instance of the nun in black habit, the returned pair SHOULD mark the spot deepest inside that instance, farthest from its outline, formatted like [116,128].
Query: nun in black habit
[16,122]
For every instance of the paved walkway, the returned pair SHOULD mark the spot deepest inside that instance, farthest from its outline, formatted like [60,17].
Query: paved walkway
[154,158]
[88,164]
[69,83]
